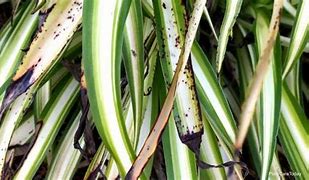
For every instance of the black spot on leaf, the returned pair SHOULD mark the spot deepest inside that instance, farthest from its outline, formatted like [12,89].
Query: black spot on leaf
[164,6]
[133,53]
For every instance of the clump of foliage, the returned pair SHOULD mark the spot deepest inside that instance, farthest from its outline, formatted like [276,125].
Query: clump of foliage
[161,89]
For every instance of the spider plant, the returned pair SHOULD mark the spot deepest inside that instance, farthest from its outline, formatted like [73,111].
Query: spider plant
[154,89]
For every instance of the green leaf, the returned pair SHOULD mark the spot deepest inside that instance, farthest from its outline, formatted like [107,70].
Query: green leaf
[293,81]
[48,44]
[246,56]
[210,153]
[179,159]
[299,38]
[212,99]
[265,79]
[102,35]
[11,120]
[41,98]
[213,102]
[11,53]
[46,48]
[134,62]
[170,37]
[66,159]
[153,138]
[210,22]
[231,12]
[23,133]
[150,106]
[147,8]
[53,116]
[293,134]
[268,108]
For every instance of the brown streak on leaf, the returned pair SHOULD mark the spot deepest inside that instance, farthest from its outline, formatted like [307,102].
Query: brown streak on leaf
[259,75]
[153,138]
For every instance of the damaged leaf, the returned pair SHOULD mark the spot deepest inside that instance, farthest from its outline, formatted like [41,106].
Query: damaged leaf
[47,45]
[153,138]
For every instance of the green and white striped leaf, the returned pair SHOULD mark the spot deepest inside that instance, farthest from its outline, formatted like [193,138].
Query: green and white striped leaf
[289,8]
[134,62]
[148,115]
[299,38]
[8,28]
[66,159]
[293,81]
[212,99]
[179,159]
[24,132]
[11,120]
[210,22]
[15,113]
[98,161]
[153,138]
[246,56]
[56,32]
[285,41]
[213,102]
[5,31]
[149,100]
[18,39]
[293,134]
[41,98]
[18,109]
[147,8]
[170,24]
[53,116]
[102,35]
[231,12]
[210,153]
[268,108]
